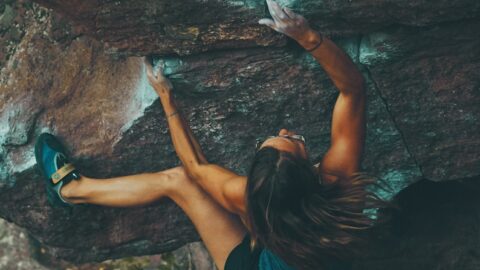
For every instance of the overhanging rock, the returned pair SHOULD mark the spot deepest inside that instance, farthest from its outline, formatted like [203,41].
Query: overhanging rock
[236,81]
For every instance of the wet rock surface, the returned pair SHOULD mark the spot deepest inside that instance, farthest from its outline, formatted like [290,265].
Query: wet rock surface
[74,72]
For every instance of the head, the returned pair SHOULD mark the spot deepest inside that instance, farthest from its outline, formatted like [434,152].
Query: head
[288,142]
[291,213]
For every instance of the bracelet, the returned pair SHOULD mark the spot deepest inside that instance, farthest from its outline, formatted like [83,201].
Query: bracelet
[172,114]
[318,44]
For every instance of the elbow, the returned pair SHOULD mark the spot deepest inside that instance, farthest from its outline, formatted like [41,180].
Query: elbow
[195,170]
[193,166]
[358,83]
[356,86]
[192,169]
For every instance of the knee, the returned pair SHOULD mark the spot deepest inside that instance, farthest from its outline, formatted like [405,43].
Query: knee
[177,173]
[175,178]
[180,186]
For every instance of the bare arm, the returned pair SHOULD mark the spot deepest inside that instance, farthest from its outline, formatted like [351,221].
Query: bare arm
[226,187]
[348,121]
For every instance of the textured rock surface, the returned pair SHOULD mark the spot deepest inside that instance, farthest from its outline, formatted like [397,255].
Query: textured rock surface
[421,61]
[432,92]
[169,26]
[71,87]
[15,249]
[191,26]
[19,252]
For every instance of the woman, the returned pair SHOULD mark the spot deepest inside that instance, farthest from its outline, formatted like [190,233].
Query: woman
[286,213]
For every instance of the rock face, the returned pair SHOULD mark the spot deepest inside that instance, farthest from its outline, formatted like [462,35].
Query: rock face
[14,249]
[74,72]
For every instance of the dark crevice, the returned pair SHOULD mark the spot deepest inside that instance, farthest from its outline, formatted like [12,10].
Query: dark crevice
[392,117]
[77,36]
[224,50]
[31,130]
[357,52]
[288,43]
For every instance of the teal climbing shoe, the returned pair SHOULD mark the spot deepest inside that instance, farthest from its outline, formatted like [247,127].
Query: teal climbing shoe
[56,169]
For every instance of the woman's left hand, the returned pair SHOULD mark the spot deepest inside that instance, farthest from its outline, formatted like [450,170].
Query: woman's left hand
[286,21]
[159,82]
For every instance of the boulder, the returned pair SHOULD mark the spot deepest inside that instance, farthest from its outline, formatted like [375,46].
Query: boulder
[73,69]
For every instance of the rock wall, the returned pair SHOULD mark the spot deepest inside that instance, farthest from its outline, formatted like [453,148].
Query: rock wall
[15,251]
[73,70]
[18,251]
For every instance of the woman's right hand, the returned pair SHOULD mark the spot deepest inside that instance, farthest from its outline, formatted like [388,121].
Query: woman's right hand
[159,82]
[287,22]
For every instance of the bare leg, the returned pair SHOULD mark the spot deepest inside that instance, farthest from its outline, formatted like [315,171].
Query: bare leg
[123,191]
[219,229]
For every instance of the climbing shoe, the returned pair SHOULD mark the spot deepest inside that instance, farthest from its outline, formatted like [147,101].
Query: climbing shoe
[56,169]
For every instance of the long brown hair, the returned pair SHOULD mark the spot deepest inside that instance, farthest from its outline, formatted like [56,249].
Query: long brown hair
[304,222]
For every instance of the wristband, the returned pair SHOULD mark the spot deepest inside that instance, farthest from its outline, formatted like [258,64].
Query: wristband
[317,45]
[172,114]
